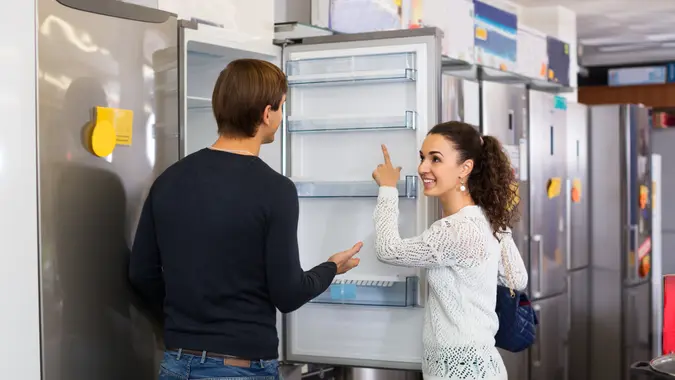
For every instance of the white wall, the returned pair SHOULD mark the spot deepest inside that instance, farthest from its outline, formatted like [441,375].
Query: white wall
[293,10]
[19,319]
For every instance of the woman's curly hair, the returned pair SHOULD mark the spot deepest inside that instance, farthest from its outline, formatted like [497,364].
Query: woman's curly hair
[492,183]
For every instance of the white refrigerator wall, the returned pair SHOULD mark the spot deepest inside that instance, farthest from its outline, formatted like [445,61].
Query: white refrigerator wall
[20,321]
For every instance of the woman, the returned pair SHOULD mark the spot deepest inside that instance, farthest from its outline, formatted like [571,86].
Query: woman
[466,252]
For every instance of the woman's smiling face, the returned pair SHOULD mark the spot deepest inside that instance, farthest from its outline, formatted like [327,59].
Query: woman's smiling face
[439,168]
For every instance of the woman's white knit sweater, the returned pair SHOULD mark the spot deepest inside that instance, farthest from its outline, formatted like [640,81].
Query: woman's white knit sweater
[464,265]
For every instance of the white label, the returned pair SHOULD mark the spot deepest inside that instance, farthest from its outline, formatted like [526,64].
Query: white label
[513,151]
[522,147]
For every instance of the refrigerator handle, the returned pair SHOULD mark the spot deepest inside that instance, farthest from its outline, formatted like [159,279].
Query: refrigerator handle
[635,234]
[512,128]
[568,223]
[540,264]
[536,359]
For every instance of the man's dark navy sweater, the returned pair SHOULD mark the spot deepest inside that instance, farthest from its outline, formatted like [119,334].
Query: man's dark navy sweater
[216,247]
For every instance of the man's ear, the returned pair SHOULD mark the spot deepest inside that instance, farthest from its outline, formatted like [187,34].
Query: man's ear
[266,115]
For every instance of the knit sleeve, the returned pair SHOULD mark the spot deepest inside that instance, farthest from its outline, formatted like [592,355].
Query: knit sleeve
[447,242]
[511,260]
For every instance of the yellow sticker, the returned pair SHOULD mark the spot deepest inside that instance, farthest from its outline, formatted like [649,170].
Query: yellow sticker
[122,121]
[567,49]
[481,33]
[551,75]
[553,187]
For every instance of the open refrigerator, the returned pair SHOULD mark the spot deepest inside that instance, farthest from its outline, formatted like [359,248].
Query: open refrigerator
[347,95]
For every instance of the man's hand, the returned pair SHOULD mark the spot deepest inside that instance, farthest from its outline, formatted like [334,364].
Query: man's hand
[345,260]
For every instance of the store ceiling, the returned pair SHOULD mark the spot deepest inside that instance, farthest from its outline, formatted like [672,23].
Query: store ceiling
[630,30]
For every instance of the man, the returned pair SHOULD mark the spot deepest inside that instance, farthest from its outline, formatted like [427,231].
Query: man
[216,245]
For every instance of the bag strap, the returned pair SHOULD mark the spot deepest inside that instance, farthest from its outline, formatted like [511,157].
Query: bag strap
[507,265]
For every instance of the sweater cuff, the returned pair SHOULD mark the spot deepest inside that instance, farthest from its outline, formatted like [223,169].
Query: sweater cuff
[388,192]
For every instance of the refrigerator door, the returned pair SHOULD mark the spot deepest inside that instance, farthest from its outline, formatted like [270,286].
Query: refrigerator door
[638,203]
[578,325]
[547,355]
[548,169]
[349,94]
[204,52]
[577,175]
[505,117]
[637,329]
[97,54]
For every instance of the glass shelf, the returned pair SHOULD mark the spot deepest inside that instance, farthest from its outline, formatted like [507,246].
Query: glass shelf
[352,66]
[407,188]
[352,123]
[371,292]
[406,75]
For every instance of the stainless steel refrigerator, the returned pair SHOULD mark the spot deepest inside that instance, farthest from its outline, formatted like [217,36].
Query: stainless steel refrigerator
[504,114]
[548,238]
[578,228]
[621,230]
[97,54]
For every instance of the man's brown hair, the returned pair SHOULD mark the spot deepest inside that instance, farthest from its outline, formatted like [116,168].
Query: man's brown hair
[243,90]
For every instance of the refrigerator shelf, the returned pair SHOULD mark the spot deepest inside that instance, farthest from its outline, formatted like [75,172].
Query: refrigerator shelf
[361,189]
[406,75]
[351,65]
[352,123]
[371,292]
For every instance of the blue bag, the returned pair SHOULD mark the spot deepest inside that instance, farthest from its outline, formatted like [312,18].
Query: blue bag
[517,320]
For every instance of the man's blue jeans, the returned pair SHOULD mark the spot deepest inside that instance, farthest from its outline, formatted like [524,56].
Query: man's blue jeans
[180,366]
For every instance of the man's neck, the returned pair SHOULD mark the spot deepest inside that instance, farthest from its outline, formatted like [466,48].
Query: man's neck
[250,145]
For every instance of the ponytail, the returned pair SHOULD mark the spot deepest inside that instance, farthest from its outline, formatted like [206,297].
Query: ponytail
[493,186]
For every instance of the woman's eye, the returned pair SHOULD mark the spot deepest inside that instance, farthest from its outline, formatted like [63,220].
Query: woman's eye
[436,159]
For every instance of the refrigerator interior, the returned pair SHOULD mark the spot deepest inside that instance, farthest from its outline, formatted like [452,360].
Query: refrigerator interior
[202,57]
[346,98]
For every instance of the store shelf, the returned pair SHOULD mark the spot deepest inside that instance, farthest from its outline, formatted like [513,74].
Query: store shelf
[372,292]
[405,75]
[196,102]
[407,188]
[476,72]
[352,123]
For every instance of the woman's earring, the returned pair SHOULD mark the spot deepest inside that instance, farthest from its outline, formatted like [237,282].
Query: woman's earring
[462,187]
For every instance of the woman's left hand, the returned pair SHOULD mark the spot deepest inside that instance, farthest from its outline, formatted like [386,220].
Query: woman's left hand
[386,174]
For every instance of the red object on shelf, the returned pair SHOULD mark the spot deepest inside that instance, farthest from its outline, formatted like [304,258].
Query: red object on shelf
[668,314]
